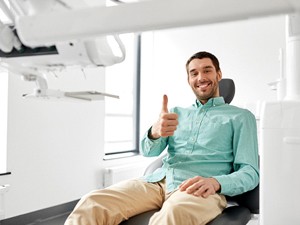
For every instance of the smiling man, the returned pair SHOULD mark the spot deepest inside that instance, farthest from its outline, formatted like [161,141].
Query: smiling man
[212,152]
[212,149]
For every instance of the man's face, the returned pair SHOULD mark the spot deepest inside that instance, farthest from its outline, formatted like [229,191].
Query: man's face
[203,79]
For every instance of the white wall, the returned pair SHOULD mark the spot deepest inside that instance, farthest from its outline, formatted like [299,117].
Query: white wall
[54,148]
[248,52]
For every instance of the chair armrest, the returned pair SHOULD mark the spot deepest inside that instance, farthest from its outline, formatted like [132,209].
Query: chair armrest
[157,163]
[248,199]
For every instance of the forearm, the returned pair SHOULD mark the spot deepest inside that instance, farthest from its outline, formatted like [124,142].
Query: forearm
[152,147]
[243,180]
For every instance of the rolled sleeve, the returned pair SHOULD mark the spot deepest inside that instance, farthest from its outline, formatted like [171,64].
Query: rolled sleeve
[151,148]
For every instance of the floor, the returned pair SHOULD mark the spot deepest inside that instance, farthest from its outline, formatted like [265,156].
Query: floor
[55,220]
[254,220]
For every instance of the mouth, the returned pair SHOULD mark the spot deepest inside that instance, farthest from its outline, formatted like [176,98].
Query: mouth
[203,85]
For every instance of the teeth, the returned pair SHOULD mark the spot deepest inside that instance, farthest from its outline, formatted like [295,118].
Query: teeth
[203,85]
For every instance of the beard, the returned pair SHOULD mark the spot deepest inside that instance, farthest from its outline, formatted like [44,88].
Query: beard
[207,93]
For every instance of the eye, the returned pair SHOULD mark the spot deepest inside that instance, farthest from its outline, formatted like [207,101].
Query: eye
[194,74]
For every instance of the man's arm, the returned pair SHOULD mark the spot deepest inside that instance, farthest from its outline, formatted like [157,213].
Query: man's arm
[245,175]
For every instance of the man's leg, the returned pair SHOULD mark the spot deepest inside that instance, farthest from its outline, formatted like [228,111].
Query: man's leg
[182,208]
[112,205]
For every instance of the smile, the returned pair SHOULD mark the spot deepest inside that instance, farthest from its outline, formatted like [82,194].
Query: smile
[203,85]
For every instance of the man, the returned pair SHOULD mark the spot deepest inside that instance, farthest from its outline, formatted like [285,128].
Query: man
[212,152]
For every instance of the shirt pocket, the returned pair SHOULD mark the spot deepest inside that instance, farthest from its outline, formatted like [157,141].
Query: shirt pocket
[216,135]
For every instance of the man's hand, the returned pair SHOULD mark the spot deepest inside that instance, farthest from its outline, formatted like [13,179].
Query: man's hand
[166,124]
[200,186]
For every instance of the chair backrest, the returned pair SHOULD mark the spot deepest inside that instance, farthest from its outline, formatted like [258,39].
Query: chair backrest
[249,199]
[227,89]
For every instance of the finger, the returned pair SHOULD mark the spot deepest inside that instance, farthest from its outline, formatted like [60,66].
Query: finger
[196,187]
[165,104]
[167,133]
[182,184]
[201,190]
[207,193]
[186,184]
[169,116]
[167,123]
[170,128]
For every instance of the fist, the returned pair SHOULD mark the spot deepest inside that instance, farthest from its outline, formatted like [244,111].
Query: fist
[166,123]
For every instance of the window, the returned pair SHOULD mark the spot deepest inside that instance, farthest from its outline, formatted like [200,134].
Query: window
[3,119]
[3,16]
[122,115]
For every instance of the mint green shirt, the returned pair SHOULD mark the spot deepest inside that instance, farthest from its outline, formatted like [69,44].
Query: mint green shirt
[212,140]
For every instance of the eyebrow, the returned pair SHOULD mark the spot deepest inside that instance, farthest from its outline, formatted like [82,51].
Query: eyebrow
[208,67]
[205,67]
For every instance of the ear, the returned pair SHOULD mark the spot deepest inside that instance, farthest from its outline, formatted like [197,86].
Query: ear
[219,75]
[188,78]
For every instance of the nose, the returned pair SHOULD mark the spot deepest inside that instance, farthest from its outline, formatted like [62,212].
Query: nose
[201,77]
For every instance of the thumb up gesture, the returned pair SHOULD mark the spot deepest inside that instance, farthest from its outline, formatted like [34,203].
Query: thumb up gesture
[166,124]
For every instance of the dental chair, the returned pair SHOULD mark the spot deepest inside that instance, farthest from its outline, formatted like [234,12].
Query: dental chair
[240,208]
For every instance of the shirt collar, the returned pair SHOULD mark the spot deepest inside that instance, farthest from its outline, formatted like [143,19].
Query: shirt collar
[211,102]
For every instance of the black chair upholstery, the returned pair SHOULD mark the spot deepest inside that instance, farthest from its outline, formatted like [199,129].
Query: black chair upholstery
[227,89]
[141,219]
[235,215]
[245,204]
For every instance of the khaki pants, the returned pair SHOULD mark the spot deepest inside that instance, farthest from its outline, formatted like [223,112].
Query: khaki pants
[119,202]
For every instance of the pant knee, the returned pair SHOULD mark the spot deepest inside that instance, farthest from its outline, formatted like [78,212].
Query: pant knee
[173,214]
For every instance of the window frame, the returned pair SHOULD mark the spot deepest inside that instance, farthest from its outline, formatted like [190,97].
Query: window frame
[4,108]
[136,106]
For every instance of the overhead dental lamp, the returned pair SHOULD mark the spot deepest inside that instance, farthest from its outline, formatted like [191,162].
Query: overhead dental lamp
[34,63]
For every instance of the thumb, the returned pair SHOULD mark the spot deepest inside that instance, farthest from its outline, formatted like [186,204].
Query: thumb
[165,104]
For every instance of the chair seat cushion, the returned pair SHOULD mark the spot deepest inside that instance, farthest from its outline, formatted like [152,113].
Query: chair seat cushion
[235,215]
[141,219]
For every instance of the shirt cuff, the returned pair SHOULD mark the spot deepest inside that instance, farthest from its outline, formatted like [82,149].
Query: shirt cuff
[150,139]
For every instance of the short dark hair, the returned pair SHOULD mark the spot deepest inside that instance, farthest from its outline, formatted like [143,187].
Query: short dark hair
[201,55]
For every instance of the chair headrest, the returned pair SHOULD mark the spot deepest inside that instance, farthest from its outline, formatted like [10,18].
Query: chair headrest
[227,89]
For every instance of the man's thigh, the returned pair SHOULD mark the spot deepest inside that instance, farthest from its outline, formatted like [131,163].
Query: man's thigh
[130,197]
[183,208]
[116,203]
